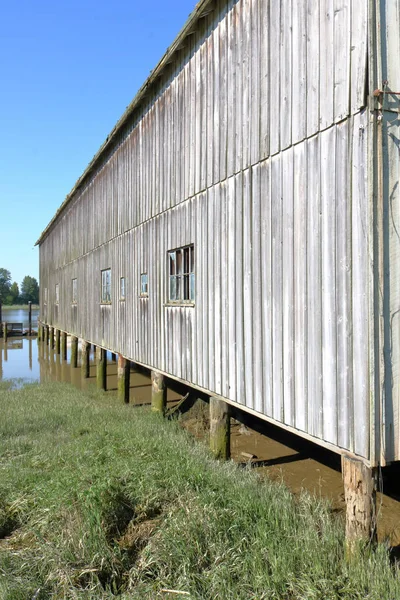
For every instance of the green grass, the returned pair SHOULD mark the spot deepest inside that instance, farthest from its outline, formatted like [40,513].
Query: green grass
[99,499]
[18,306]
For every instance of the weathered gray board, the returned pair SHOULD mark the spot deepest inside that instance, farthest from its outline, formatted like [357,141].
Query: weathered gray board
[250,141]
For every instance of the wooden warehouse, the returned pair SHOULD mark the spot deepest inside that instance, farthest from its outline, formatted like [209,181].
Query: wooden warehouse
[239,228]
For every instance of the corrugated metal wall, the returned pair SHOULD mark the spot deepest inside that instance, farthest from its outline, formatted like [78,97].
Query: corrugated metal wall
[253,149]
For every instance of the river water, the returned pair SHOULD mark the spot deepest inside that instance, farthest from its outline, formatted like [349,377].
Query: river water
[20,315]
[25,360]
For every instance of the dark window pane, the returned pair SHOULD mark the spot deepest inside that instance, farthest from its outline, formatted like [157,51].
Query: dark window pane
[179,262]
[172,263]
[192,286]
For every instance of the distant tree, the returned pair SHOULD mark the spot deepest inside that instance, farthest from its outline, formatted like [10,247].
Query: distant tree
[14,293]
[5,284]
[30,290]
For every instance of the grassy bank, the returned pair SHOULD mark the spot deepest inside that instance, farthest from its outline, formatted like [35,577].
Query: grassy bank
[98,499]
[19,306]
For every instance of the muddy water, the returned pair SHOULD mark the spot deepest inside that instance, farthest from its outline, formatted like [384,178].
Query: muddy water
[274,454]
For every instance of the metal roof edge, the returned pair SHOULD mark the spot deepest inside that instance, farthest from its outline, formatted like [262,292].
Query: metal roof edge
[199,11]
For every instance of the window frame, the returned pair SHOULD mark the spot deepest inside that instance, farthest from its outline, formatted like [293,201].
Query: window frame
[181,276]
[122,288]
[74,291]
[105,293]
[144,282]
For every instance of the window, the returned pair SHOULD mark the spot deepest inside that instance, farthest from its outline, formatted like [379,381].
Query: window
[181,274]
[106,286]
[144,284]
[74,291]
[57,293]
[122,288]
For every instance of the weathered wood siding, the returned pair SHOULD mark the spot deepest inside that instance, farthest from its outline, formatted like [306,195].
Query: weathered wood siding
[253,147]
[387,164]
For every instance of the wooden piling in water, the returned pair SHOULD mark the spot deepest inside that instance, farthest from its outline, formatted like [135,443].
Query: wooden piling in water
[39,332]
[123,378]
[85,364]
[220,429]
[51,337]
[360,495]
[74,351]
[46,334]
[58,341]
[158,392]
[63,345]
[101,369]
[5,332]
[30,318]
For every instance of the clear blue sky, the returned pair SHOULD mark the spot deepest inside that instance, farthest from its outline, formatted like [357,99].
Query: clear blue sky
[68,70]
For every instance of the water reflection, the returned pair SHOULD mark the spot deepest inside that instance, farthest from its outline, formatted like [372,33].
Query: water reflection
[20,315]
[25,360]
[19,360]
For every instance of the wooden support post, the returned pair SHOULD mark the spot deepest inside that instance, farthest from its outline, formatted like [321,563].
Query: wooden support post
[30,318]
[51,337]
[158,392]
[101,369]
[85,364]
[360,496]
[220,429]
[123,378]
[5,332]
[74,351]
[63,345]
[58,341]
[39,331]
[46,334]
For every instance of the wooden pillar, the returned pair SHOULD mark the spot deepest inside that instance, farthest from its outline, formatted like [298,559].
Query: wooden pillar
[63,345]
[220,429]
[123,378]
[158,392]
[101,369]
[74,351]
[51,337]
[5,332]
[30,318]
[85,364]
[360,496]
[39,332]
[46,335]
[58,341]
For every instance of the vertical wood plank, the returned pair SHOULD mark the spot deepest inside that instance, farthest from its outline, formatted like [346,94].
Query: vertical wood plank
[360,227]
[314,288]
[276,292]
[286,74]
[313,38]
[328,254]
[300,286]
[287,286]
[275,77]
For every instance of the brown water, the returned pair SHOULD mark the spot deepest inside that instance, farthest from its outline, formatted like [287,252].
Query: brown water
[276,454]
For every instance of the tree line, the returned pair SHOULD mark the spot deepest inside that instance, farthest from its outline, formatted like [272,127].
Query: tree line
[10,293]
